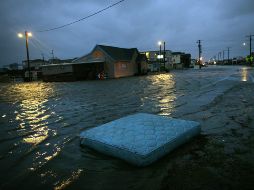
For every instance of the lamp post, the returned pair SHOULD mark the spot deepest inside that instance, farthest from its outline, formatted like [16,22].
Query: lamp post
[164,54]
[27,34]
[159,43]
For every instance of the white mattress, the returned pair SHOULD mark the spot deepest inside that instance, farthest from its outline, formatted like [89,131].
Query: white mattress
[140,139]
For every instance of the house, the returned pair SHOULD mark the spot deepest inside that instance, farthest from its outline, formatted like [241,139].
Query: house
[142,64]
[102,62]
[35,64]
[156,61]
[35,68]
[181,60]
[56,60]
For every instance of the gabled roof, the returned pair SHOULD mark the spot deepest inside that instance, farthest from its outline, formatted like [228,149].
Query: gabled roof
[117,53]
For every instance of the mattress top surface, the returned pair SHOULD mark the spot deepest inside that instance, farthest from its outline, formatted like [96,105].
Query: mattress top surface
[139,133]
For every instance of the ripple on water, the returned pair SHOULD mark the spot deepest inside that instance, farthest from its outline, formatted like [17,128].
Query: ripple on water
[48,117]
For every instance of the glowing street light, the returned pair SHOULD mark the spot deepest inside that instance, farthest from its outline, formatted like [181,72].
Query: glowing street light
[27,34]
[244,44]
[20,35]
[162,56]
[159,43]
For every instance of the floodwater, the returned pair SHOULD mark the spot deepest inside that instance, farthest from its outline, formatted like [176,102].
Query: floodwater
[41,122]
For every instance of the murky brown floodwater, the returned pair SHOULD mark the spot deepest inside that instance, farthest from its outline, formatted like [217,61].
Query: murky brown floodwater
[40,124]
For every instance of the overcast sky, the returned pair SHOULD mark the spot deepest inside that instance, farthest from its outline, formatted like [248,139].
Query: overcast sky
[133,23]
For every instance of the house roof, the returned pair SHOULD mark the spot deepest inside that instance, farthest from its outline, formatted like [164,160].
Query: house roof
[119,53]
[141,57]
[177,53]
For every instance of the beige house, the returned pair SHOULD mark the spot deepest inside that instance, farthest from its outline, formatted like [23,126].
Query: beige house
[102,62]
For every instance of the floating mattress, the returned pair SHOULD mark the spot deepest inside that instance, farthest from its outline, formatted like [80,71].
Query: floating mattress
[140,139]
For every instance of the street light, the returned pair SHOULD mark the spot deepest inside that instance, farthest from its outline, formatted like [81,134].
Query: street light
[20,35]
[27,34]
[164,52]
[159,57]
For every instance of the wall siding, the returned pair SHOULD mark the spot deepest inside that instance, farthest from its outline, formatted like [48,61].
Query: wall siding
[124,69]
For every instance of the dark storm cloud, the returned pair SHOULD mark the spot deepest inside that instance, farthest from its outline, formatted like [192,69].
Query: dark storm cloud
[130,24]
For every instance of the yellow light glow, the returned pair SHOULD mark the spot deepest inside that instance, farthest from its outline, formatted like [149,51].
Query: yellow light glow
[33,114]
[244,73]
[29,34]
[20,35]
[65,183]
[165,103]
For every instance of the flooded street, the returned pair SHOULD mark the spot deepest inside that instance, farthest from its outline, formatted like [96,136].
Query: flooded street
[41,122]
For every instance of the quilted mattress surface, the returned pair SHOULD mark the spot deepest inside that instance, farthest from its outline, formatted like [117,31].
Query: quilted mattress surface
[140,139]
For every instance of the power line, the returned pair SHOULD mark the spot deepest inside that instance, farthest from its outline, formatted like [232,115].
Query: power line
[93,14]
[42,45]
[37,45]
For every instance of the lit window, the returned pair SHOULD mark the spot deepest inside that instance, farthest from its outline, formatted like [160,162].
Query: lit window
[123,66]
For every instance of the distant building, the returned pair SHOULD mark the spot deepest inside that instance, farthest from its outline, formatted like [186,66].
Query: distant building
[14,66]
[156,61]
[193,63]
[180,60]
[102,62]
[35,64]
[58,61]
[35,68]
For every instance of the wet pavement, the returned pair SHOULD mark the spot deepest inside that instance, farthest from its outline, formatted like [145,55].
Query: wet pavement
[40,124]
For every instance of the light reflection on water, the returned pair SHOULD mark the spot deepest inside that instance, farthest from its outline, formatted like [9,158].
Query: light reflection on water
[32,111]
[40,124]
[45,119]
[244,73]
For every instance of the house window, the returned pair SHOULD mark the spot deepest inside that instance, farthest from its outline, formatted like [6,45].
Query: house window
[123,65]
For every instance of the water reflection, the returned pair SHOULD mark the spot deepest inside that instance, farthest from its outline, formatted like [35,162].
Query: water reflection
[164,85]
[40,124]
[74,176]
[33,113]
[244,74]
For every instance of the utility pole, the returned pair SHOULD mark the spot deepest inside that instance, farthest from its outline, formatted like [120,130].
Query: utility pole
[52,52]
[164,54]
[43,60]
[228,53]
[250,37]
[199,53]
[223,52]
[27,56]
[160,59]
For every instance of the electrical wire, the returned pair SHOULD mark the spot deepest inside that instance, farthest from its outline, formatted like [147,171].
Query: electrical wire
[93,14]
[38,48]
